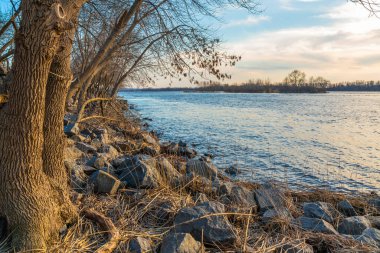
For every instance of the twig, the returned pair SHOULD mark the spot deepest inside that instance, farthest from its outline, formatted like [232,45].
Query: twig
[107,226]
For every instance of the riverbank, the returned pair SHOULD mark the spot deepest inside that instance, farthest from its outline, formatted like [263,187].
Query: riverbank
[150,196]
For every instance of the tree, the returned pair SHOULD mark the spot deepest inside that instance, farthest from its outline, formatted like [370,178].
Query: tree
[33,189]
[295,78]
[30,195]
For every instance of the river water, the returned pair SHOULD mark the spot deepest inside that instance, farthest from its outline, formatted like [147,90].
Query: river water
[329,141]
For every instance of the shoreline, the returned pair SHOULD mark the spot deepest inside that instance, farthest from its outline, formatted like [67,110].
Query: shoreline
[182,198]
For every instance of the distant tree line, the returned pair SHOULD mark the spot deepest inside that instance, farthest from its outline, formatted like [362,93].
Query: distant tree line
[294,82]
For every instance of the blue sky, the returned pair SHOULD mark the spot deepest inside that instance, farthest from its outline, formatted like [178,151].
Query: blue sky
[335,39]
[332,38]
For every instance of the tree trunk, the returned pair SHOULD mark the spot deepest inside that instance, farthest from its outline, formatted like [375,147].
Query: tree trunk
[28,199]
[54,140]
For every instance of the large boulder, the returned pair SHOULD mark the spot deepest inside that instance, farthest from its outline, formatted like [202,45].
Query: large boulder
[370,236]
[202,168]
[139,172]
[315,225]
[212,228]
[354,225]
[346,208]
[151,147]
[167,171]
[104,182]
[140,245]
[320,210]
[270,197]
[283,214]
[71,129]
[180,243]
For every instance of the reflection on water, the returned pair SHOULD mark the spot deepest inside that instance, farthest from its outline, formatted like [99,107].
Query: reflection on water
[330,140]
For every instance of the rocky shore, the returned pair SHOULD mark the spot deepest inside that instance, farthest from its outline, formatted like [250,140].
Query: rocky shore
[164,197]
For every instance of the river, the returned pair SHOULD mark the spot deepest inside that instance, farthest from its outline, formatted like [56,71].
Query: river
[329,141]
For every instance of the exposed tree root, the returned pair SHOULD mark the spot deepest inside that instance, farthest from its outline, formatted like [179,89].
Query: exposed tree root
[107,226]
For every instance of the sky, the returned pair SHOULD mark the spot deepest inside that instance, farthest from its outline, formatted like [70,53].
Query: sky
[336,39]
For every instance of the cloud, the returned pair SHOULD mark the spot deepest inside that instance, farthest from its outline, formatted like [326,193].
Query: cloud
[345,48]
[250,20]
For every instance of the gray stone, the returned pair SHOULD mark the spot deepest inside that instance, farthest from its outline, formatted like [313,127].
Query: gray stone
[78,138]
[232,170]
[346,208]
[282,213]
[320,210]
[180,243]
[104,182]
[213,229]
[241,196]
[375,203]
[140,172]
[375,221]
[354,225]
[166,170]
[86,148]
[370,236]
[315,225]
[176,149]
[108,151]
[71,129]
[140,245]
[270,197]
[78,178]
[102,134]
[295,247]
[202,168]
[224,188]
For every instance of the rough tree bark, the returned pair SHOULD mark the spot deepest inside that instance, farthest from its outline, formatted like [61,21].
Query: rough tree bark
[60,78]
[28,198]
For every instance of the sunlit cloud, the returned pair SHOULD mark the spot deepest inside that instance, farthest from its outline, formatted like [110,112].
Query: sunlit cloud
[346,48]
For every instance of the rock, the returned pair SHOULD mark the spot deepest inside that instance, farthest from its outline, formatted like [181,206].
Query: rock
[162,213]
[78,138]
[99,162]
[180,243]
[102,134]
[232,170]
[108,151]
[78,178]
[200,197]
[224,188]
[188,152]
[104,182]
[315,225]
[96,143]
[282,213]
[86,148]
[214,229]
[295,247]
[346,208]
[140,245]
[270,197]
[375,221]
[125,146]
[175,149]
[370,236]
[202,168]
[320,210]
[240,196]
[375,203]
[166,170]
[354,225]
[71,129]
[140,172]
